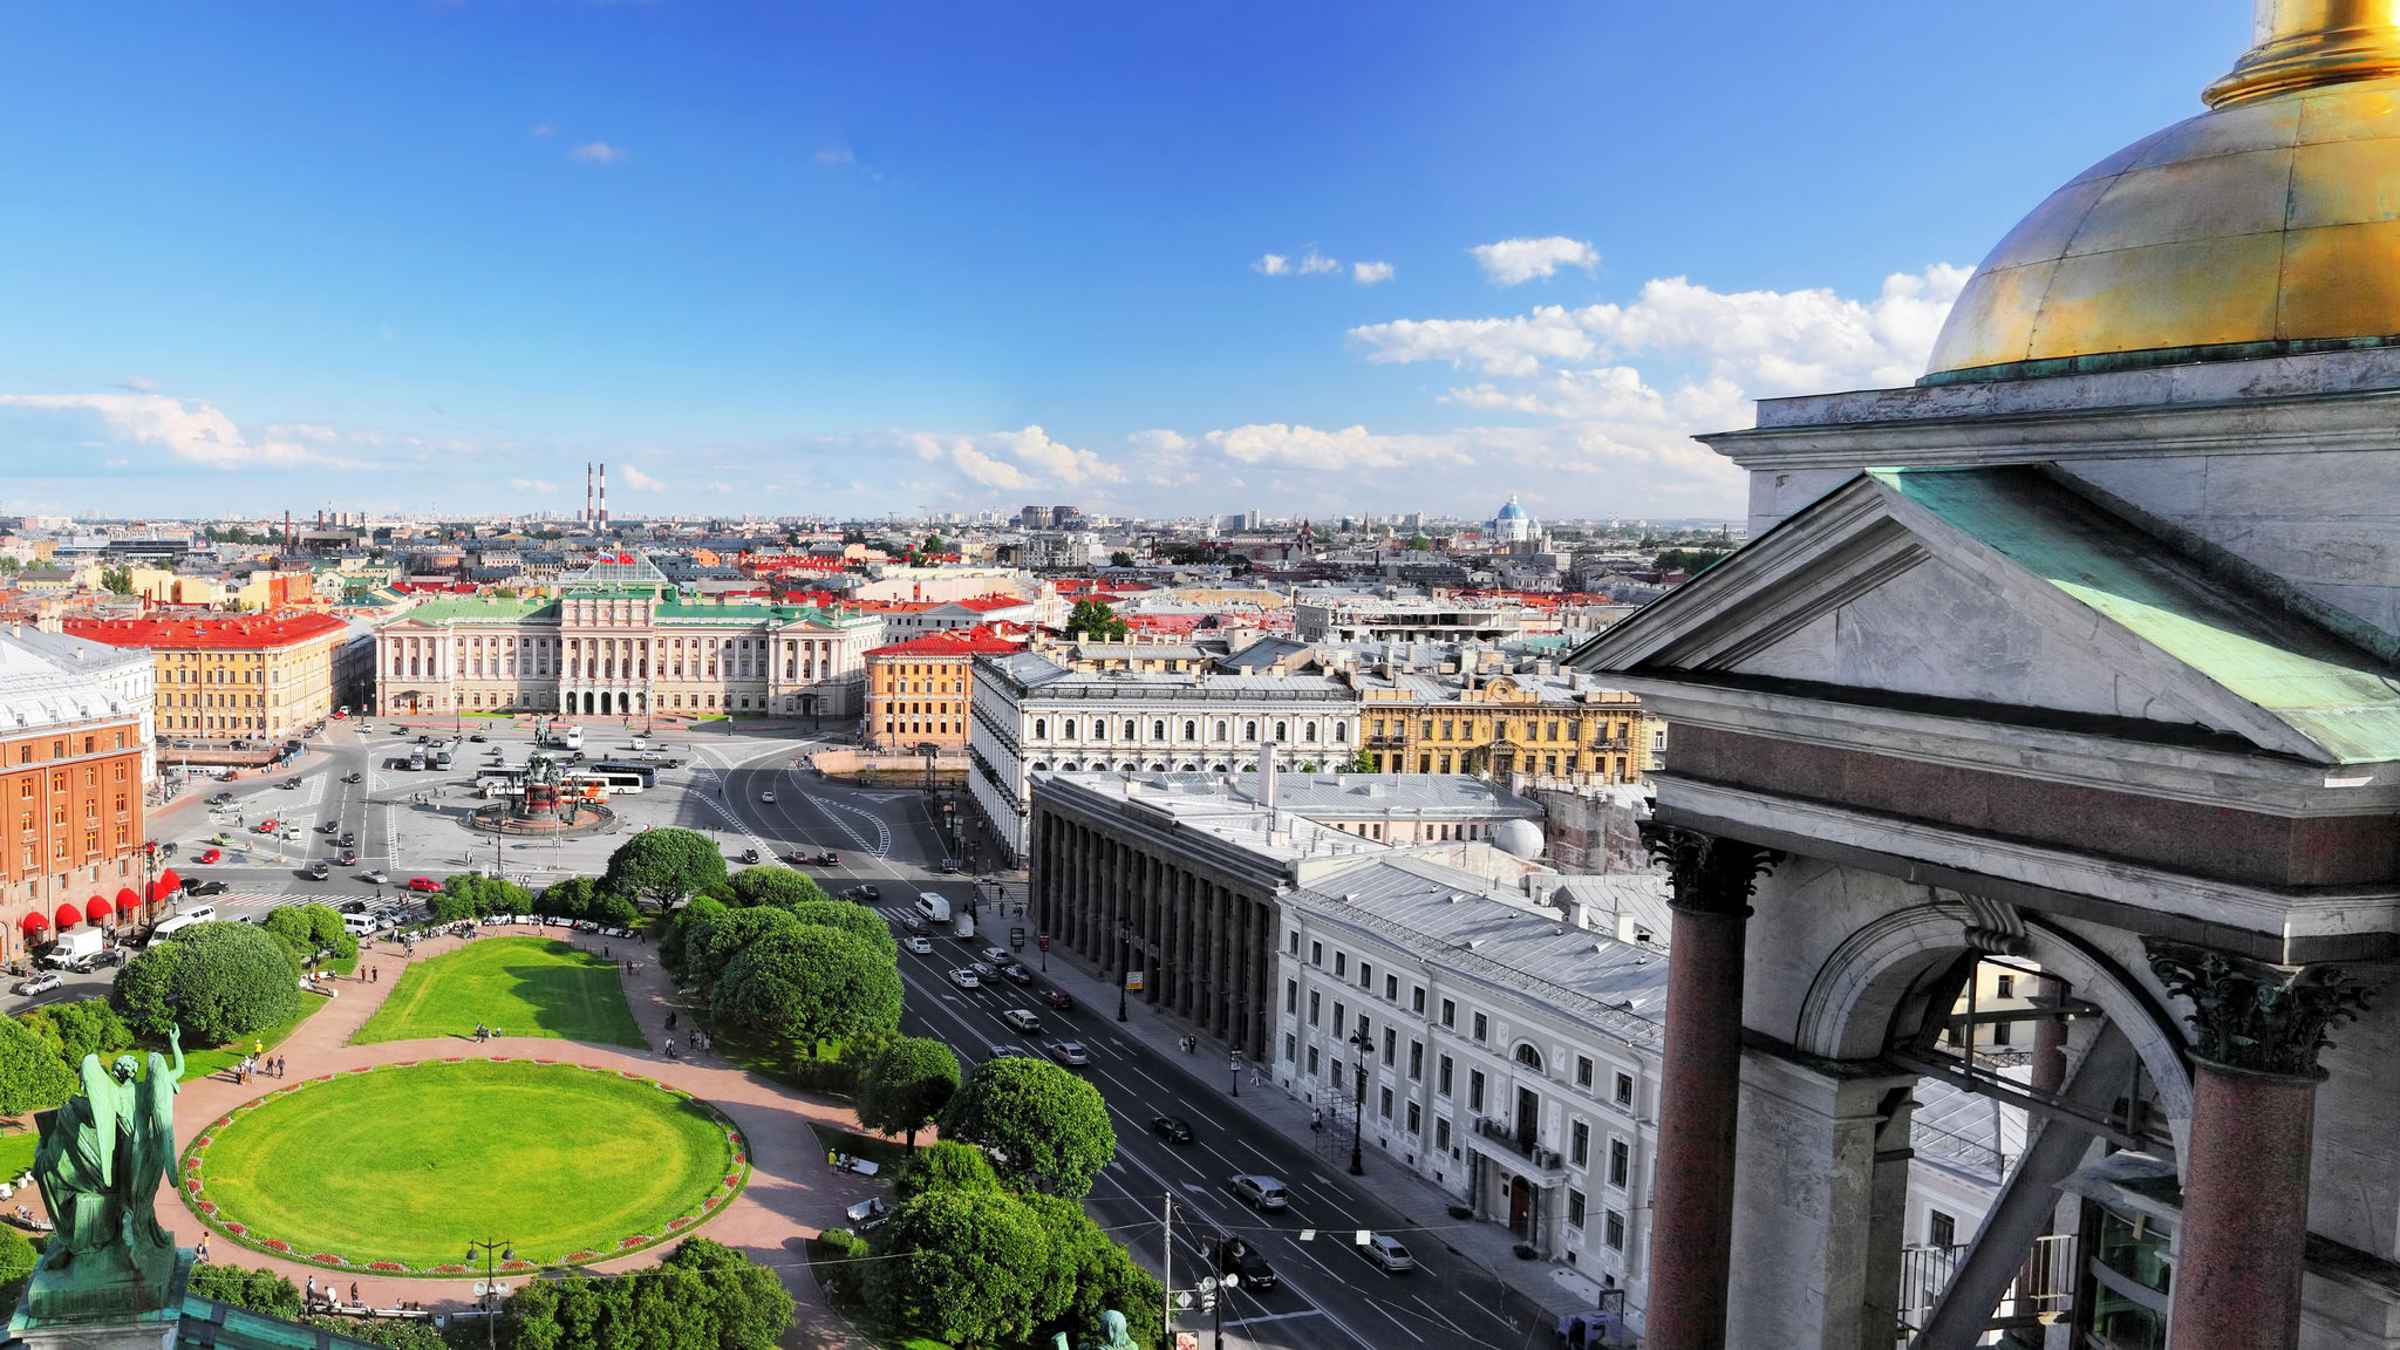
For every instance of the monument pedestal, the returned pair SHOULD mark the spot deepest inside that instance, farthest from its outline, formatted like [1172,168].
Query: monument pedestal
[100,1303]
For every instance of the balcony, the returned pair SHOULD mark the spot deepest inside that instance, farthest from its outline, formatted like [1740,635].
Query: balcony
[2042,1293]
[1500,1140]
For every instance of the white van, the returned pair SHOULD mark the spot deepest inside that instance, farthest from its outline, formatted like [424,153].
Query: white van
[361,925]
[933,908]
[168,928]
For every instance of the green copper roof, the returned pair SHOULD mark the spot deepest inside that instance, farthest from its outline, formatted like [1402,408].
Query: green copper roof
[2338,696]
[206,1322]
[482,610]
[754,614]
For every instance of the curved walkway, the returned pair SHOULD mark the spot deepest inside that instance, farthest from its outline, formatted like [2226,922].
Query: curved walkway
[792,1194]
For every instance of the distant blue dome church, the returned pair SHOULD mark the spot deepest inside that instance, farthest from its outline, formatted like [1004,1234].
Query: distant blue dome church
[1510,525]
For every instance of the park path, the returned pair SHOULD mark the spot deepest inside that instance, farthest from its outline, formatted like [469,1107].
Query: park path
[792,1194]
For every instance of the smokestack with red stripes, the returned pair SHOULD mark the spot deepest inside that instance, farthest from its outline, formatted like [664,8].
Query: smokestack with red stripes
[604,496]
[587,494]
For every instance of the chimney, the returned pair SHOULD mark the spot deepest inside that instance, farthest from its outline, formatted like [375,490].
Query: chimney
[1266,779]
[604,496]
[587,494]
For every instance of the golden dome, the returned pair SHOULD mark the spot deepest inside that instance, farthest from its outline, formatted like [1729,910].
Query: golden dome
[2270,223]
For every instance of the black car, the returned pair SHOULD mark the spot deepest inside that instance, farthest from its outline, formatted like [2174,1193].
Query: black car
[476,736]
[354,776]
[869,894]
[749,855]
[220,799]
[319,870]
[1016,973]
[1173,1129]
[205,888]
[291,782]
[1256,1274]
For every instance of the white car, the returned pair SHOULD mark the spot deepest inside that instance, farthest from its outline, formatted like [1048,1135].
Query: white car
[965,979]
[1069,1053]
[920,944]
[998,956]
[377,877]
[768,796]
[39,984]
[1387,1252]
[1023,1019]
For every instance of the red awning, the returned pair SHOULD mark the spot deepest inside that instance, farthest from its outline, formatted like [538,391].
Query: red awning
[68,916]
[95,909]
[35,923]
[169,883]
[127,901]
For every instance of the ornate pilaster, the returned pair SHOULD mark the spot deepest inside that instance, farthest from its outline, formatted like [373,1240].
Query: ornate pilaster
[2258,1029]
[1691,1248]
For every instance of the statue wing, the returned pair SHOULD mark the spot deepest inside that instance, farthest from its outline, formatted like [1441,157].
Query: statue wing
[101,1092]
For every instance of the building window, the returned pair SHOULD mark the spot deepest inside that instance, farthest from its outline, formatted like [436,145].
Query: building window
[1291,996]
[1416,999]
[1941,1230]
[1442,1080]
[1574,1208]
[1583,1071]
[1614,1233]
[1483,1027]
[1312,1061]
[1625,1090]
[1385,1101]
[1291,1047]
[1441,1134]
[1579,1144]
[1416,1120]
[1391,1044]
[1341,965]
[1366,974]
[1620,1162]
[1295,942]
[1416,1061]
[1316,954]
[1341,1017]
[1450,1014]
[1391,988]
[2007,986]
[1313,1003]
[1474,1089]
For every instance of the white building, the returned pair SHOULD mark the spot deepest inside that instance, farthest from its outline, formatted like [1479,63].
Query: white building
[1510,524]
[1032,715]
[126,676]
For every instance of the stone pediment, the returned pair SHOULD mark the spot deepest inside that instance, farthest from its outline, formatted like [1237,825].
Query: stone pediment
[2003,588]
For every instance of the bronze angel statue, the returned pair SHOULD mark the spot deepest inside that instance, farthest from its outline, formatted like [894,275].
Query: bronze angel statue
[103,1154]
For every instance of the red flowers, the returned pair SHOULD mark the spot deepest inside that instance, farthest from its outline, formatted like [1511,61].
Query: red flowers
[276,1244]
[393,1266]
[328,1259]
[637,1240]
[236,1229]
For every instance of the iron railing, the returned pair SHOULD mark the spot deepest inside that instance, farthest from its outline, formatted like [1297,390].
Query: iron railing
[2043,1290]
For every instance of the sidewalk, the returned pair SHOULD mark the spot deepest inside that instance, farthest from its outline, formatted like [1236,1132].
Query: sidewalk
[1555,1288]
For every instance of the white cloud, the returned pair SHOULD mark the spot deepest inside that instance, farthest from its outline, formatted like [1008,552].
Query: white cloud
[1309,447]
[1370,273]
[197,433]
[1271,265]
[986,470]
[140,384]
[1313,262]
[313,433]
[1061,461]
[1512,262]
[533,485]
[639,481]
[545,130]
[837,156]
[1518,345]
[1159,440]
[720,488]
[596,152]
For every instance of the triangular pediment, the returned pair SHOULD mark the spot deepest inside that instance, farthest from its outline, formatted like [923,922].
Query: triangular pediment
[2005,588]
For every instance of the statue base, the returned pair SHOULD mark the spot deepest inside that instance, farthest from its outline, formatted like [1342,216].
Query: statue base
[108,1299]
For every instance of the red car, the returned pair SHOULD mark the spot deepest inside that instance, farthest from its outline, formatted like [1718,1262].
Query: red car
[267,826]
[426,885]
[209,855]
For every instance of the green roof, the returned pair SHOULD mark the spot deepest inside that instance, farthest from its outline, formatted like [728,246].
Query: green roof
[674,610]
[482,610]
[2229,628]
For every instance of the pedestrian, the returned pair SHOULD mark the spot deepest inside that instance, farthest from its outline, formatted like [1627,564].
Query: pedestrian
[670,1021]
[1316,1119]
[309,1300]
[354,1293]
[670,1047]
[200,1252]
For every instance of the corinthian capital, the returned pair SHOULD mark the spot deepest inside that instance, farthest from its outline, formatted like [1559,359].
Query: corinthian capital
[2254,1016]
[1708,872]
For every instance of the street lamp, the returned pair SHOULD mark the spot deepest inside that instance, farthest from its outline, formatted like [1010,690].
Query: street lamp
[491,1313]
[1124,944]
[1358,1102]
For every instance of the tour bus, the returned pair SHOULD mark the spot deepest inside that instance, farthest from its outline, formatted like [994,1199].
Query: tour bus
[933,908]
[619,774]
[169,927]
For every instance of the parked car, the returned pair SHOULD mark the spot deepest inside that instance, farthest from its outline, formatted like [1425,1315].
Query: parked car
[191,887]
[1070,1053]
[1025,1020]
[378,877]
[984,970]
[867,1213]
[1173,1129]
[268,825]
[477,737]
[920,944]
[1386,1251]
[289,783]
[39,984]
[1016,973]
[330,827]
[912,923]
[348,840]
[829,858]
[424,885]
[965,979]
[209,856]
[869,894]
[1259,1192]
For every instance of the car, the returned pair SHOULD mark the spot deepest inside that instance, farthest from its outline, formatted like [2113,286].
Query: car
[1058,1000]
[1173,1129]
[424,740]
[478,737]
[920,945]
[1070,1053]
[867,1213]
[349,857]
[424,885]
[910,922]
[220,799]
[1259,1192]
[106,956]
[869,894]
[209,855]
[191,887]
[376,876]
[1257,1275]
[749,855]
[998,956]
[354,776]
[330,827]
[950,865]
[268,825]
[829,858]
[39,984]
[1023,1019]
[348,840]
[1385,1251]
[289,783]
[965,979]
[767,796]
[984,970]
[319,870]
[1016,973]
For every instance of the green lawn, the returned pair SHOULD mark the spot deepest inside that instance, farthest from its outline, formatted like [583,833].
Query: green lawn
[202,1063]
[16,1152]
[407,1163]
[520,986]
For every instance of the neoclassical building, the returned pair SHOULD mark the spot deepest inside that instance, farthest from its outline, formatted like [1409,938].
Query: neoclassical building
[626,650]
[2079,659]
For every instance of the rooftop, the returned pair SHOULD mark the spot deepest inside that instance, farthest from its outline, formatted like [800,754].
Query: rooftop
[230,632]
[964,642]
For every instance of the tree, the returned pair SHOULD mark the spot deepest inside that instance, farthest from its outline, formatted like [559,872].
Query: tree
[1095,1272]
[674,944]
[1094,619]
[1120,558]
[775,885]
[306,930]
[31,1074]
[117,580]
[711,943]
[585,898]
[215,980]
[857,920]
[906,1086]
[1050,1125]
[1419,543]
[468,896]
[807,987]
[1689,559]
[84,1026]
[968,1267]
[946,1164]
[934,543]
[664,866]
[1362,762]
[260,1291]
[704,1296]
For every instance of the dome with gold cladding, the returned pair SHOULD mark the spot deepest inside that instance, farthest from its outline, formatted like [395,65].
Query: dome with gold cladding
[2266,225]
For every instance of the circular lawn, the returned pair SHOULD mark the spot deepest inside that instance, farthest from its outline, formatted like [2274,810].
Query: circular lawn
[393,1170]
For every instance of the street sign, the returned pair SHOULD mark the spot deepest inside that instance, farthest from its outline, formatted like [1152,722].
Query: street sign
[1043,941]
[1016,939]
[1133,982]
[1183,1298]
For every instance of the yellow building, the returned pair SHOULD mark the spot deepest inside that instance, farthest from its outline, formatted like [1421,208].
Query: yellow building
[233,677]
[920,691]
[1541,725]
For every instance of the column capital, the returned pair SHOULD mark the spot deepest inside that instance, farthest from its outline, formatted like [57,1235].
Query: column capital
[1708,873]
[2254,1016]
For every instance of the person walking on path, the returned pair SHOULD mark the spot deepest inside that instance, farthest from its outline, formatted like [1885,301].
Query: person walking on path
[354,1294]
[200,1249]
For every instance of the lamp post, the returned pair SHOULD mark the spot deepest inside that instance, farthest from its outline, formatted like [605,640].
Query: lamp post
[1124,945]
[491,1312]
[1358,1102]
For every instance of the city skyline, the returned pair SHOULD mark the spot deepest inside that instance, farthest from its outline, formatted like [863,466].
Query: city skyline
[849,268]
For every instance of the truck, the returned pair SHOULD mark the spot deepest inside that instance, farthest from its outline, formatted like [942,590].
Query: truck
[73,948]
[640,743]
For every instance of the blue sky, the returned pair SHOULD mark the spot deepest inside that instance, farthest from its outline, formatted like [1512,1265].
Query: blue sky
[790,259]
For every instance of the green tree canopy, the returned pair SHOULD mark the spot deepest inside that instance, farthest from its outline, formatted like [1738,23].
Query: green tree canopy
[807,987]
[468,896]
[216,980]
[857,920]
[260,1291]
[585,898]
[1096,1272]
[704,1296]
[945,1165]
[663,866]
[774,884]
[117,580]
[711,943]
[31,1074]
[1120,558]
[84,1026]
[682,925]
[906,1086]
[1050,1124]
[1094,619]
[969,1267]
[305,930]
[1420,543]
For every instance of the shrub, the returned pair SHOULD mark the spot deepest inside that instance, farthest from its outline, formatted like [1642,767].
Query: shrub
[773,885]
[84,1026]
[845,1283]
[664,866]
[945,1164]
[216,980]
[704,1296]
[260,1291]
[305,930]
[467,896]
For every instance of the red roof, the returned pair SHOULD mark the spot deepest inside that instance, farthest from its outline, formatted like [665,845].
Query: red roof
[976,641]
[1163,623]
[248,632]
[985,604]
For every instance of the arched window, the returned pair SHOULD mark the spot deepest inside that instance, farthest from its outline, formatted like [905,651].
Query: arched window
[1132,730]
[1308,732]
[1191,730]
[1283,732]
[1341,733]
[1066,730]
[1158,728]
[1038,766]
[1529,1057]
[1099,728]
[1069,767]
[1221,729]
[1041,728]
[1249,731]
